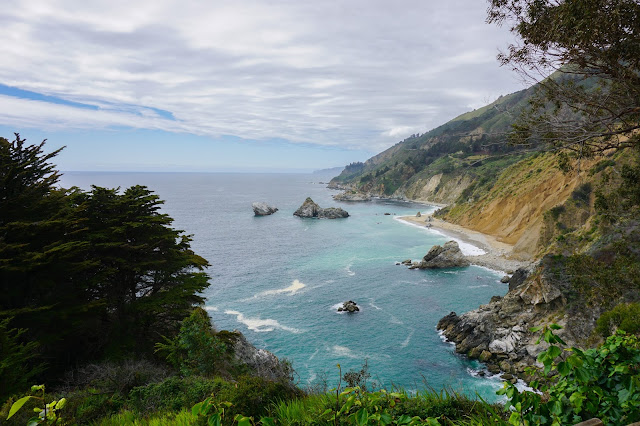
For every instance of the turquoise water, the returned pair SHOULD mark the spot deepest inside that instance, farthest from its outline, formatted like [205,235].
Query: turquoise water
[279,279]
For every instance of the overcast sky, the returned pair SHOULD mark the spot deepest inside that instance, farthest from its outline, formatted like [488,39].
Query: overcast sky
[243,85]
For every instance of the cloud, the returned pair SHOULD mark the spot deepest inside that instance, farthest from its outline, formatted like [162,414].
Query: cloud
[358,74]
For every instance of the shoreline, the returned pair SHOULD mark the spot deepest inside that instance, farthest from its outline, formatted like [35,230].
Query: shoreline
[496,255]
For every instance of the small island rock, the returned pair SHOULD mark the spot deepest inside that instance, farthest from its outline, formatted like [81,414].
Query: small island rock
[447,256]
[349,306]
[310,209]
[263,209]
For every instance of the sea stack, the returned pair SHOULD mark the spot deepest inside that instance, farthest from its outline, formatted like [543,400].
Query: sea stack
[310,209]
[263,209]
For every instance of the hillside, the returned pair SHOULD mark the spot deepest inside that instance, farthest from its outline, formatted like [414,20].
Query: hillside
[578,225]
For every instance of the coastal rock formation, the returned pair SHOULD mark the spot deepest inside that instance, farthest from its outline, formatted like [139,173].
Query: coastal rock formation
[418,214]
[447,256]
[310,209]
[351,196]
[261,362]
[263,209]
[349,306]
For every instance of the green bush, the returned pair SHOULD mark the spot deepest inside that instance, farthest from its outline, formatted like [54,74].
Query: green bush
[174,394]
[578,385]
[625,316]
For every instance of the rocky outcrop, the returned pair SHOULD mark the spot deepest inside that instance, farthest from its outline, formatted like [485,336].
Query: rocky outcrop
[262,363]
[263,209]
[310,209]
[349,306]
[498,333]
[351,196]
[447,256]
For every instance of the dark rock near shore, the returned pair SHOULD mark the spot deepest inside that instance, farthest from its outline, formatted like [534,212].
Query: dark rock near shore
[505,279]
[311,210]
[263,209]
[447,256]
[351,196]
[349,306]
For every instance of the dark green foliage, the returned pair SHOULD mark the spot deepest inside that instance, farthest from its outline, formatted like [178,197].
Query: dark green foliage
[602,383]
[600,166]
[625,316]
[582,193]
[88,274]
[174,394]
[592,103]
[196,350]
[358,378]
[16,368]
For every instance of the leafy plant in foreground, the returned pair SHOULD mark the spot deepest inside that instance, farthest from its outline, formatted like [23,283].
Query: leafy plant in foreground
[579,385]
[46,415]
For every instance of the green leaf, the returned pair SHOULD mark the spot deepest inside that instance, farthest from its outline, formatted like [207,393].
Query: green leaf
[267,421]
[362,417]
[18,405]
[214,420]
[386,419]
[60,405]
[555,326]
[564,368]
[195,410]
[242,420]
[553,352]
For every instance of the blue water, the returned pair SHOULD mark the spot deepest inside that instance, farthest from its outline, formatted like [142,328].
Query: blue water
[279,279]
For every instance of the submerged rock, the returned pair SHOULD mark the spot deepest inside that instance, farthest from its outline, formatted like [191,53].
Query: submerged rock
[447,256]
[310,209]
[263,209]
[261,362]
[349,306]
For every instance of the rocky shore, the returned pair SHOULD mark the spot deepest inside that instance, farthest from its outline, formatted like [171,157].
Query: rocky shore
[310,209]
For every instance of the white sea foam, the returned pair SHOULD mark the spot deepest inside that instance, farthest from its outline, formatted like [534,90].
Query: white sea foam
[395,320]
[466,248]
[407,340]
[261,325]
[374,306]
[478,286]
[292,289]
[344,351]
[349,271]
[313,355]
[211,308]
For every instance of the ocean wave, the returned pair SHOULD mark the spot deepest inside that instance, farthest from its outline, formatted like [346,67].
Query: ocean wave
[295,287]
[211,308]
[261,325]
[349,271]
[345,352]
[478,286]
[407,340]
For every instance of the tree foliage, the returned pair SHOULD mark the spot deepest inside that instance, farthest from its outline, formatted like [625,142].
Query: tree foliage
[88,274]
[586,55]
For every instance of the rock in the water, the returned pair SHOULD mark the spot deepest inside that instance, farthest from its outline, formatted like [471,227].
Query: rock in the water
[349,306]
[505,279]
[447,256]
[310,209]
[419,214]
[351,196]
[263,209]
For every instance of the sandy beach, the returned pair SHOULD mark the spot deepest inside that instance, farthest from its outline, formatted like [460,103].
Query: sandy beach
[497,254]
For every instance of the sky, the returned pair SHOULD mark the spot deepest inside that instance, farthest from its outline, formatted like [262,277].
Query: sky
[163,85]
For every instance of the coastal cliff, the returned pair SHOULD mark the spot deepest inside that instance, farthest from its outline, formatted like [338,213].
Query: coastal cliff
[571,225]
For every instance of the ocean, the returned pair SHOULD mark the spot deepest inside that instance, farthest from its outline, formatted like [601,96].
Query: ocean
[279,279]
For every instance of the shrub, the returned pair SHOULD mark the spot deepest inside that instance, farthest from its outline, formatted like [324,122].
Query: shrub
[625,316]
[174,394]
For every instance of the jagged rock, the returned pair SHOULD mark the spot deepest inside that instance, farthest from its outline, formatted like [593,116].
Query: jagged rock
[387,214]
[419,214]
[447,256]
[485,356]
[505,279]
[263,209]
[332,213]
[406,262]
[310,209]
[349,306]
[351,196]
[262,362]
[518,277]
